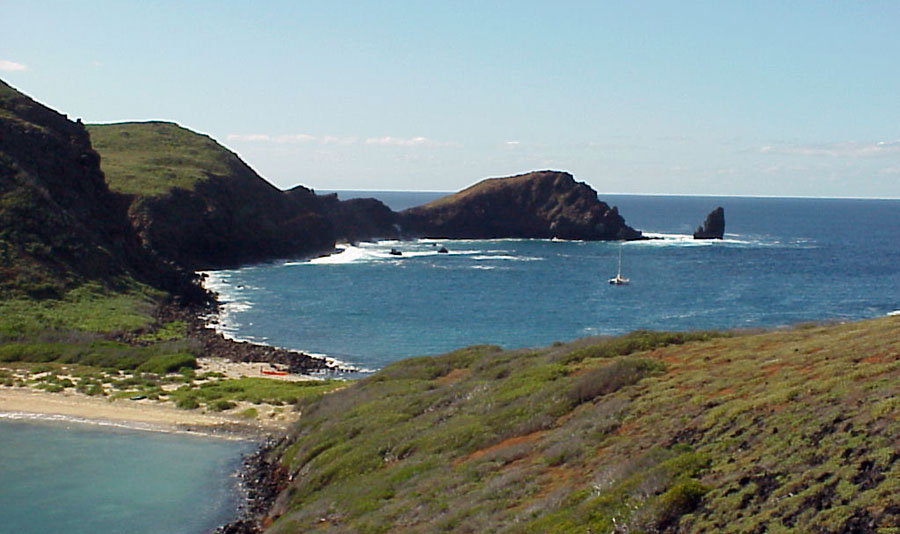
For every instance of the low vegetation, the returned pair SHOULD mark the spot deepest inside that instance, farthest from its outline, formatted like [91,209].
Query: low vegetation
[151,158]
[793,430]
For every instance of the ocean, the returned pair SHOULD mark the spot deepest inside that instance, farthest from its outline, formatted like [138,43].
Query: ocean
[782,262]
[61,475]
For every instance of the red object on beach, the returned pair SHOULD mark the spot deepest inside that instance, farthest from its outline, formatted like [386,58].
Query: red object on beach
[276,373]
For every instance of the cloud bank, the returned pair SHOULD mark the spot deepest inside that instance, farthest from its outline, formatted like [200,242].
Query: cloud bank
[836,150]
[417,141]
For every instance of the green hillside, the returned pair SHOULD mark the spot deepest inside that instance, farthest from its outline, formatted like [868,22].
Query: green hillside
[787,431]
[151,158]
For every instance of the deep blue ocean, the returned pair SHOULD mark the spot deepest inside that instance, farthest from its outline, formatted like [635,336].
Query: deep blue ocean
[783,261]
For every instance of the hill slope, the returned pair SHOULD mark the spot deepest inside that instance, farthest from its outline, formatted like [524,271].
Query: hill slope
[791,430]
[60,226]
[543,204]
[197,204]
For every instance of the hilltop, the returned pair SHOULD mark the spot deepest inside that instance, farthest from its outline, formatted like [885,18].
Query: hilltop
[199,205]
[792,430]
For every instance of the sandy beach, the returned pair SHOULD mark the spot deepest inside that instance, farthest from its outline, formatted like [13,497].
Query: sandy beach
[23,402]
[146,415]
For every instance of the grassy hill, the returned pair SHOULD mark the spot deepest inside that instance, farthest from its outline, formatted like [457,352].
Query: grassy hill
[786,431]
[152,158]
[195,203]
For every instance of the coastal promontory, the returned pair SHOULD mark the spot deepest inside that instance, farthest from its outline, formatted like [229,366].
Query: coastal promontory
[542,204]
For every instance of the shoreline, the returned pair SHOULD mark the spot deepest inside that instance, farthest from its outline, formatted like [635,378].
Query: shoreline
[20,404]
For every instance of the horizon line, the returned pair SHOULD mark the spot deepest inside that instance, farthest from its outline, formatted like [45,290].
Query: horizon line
[706,195]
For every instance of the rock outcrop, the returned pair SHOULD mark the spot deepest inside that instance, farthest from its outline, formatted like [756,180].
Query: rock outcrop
[713,227]
[356,219]
[199,205]
[60,225]
[543,204]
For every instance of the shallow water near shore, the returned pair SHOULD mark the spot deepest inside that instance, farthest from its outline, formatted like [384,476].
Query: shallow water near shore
[783,261]
[66,476]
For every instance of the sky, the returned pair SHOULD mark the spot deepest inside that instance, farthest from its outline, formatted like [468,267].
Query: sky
[757,98]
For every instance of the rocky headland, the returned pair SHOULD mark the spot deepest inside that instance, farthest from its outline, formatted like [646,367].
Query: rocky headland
[543,204]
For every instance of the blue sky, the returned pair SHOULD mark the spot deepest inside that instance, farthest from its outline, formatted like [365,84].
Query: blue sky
[735,98]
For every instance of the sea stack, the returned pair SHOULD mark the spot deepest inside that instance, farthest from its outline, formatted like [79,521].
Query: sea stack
[713,227]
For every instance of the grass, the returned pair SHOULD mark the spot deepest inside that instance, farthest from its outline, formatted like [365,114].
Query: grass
[152,158]
[793,430]
[221,395]
[87,308]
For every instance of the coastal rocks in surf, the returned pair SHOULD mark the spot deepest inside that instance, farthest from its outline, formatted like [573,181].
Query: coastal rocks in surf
[543,204]
[713,227]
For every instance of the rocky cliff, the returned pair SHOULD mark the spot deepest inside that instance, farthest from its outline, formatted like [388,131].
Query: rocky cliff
[713,227]
[59,223]
[199,205]
[544,204]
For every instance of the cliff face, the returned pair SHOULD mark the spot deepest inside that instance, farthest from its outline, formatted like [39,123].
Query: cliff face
[542,204]
[59,223]
[197,204]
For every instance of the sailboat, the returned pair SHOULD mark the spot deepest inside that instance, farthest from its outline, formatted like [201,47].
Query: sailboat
[618,279]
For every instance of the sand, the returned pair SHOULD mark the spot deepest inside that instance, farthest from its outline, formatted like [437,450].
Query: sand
[153,415]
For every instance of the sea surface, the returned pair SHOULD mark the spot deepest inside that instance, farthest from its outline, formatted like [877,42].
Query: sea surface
[782,262]
[79,478]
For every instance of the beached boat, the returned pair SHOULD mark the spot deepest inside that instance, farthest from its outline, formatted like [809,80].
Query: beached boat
[273,373]
[618,279]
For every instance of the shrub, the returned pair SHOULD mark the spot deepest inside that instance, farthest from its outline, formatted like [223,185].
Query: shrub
[221,405]
[609,378]
[187,403]
[168,363]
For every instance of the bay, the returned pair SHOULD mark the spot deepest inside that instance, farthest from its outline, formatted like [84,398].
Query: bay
[783,261]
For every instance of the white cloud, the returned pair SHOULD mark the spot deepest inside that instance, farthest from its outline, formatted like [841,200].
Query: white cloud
[335,140]
[836,150]
[399,141]
[266,138]
[248,137]
[11,66]
[511,144]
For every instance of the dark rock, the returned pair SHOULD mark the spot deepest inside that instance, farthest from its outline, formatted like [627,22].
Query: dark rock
[395,252]
[357,219]
[443,250]
[713,227]
[262,479]
[542,204]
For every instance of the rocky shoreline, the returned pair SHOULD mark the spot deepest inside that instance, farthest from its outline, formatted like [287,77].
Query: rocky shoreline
[262,479]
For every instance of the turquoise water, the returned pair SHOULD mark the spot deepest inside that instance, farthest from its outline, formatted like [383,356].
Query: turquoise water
[80,478]
[783,261]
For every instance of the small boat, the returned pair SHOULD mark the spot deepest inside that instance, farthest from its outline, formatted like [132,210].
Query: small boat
[443,250]
[395,252]
[618,279]
[273,373]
